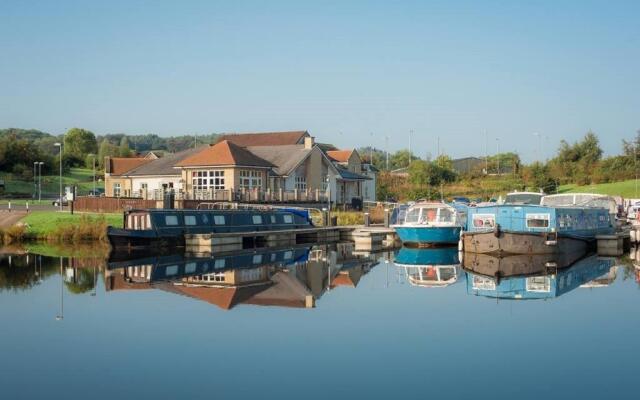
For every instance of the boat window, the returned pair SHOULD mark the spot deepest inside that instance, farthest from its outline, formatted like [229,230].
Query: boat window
[171,220]
[273,219]
[412,216]
[483,283]
[446,215]
[537,220]
[190,268]
[218,219]
[538,284]
[220,263]
[484,221]
[257,219]
[288,255]
[190,220]
[171,270]
[257,258]
[288,219]
[205,219]
[429,215]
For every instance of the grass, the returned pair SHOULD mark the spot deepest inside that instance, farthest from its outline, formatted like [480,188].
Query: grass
[626,189]
[82,177]
[53,225]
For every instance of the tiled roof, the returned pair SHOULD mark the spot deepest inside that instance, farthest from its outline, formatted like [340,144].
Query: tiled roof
[119,166]
[339,155]
[348,175]
[222,154]
[223,297]
[266,138]
[284,158]
[164,165]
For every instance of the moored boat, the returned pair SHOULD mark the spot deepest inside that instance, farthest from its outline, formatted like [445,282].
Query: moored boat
[163,228]
[431,223]
[535,229]
[436,267]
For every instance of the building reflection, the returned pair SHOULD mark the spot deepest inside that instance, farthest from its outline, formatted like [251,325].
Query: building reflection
[432,267]
[541,280]
[289,277]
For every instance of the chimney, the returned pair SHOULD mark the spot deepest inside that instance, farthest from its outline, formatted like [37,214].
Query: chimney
[308,142]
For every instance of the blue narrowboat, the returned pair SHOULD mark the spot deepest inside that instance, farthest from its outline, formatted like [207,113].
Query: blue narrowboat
[165,228]
[430,223]
[434,267]
[534,229]
[542,285]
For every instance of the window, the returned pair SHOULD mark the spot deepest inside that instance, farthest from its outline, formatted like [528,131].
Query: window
[483,283]
[204,180]
[171,220]
[253,274]
[288,219]
[116,190]
[257,258]
[538,284]
[484,221]
[538,220]
[257,219]
[301,182]
[325,183]
[445,215]
[215,277]
[220,263]
[250,179]
[190,220]
[171,270]
[288,255]
[190,268]
[412,216]
[218,219]
[273,219]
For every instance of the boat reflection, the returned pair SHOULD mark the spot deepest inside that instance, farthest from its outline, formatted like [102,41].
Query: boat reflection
[287,277]
[432,267]
[547,282]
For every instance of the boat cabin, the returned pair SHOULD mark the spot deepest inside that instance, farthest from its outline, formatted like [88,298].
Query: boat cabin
[431,214]
[523,198]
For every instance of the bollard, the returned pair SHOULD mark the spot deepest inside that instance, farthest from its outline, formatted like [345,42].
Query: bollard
[325,217]
[367,221]
[27,206]
[387,218]
[9,206]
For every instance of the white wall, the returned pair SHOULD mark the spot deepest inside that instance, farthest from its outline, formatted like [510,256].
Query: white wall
[154,183]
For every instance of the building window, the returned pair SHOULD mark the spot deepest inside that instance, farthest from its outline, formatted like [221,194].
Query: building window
[250,179]
[116,190]
[301,182]
[204,180]
[325,183]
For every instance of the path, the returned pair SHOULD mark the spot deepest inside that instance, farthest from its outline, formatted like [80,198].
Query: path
[7,218]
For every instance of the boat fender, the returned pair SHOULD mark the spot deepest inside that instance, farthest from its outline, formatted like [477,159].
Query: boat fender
[496,232]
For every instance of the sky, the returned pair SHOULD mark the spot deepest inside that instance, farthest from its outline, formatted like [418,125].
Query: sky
[480,76]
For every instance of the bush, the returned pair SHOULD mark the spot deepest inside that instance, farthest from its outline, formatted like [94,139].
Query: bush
[87,229]
[14,234]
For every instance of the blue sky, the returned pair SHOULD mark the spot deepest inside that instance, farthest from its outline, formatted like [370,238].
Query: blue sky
[342,70]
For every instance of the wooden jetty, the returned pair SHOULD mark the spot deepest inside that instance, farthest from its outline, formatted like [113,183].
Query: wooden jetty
[365,238]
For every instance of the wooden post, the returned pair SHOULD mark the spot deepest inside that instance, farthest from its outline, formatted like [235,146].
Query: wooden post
[367,221]
[387,218]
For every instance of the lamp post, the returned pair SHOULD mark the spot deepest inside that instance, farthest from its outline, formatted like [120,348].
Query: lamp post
[40,164]
[498,154]
[94,172]
[35,184]
[59,144]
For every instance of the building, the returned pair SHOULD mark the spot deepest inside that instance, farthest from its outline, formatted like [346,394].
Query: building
[274,166]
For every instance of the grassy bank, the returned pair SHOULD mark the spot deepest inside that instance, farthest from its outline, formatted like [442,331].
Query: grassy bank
[81,177]
[626,189]
[63,227]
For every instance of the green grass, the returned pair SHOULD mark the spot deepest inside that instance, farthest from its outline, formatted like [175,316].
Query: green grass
[626,189]
[83,177]
[43,224]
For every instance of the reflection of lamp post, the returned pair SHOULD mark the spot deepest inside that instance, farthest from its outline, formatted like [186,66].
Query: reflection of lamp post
[95,281]
[60,316]
[59,144]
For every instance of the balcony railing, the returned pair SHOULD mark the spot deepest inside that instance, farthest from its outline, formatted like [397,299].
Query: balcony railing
[240,195]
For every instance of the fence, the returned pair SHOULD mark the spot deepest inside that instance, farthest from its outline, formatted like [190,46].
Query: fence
[111,204]
[242,195]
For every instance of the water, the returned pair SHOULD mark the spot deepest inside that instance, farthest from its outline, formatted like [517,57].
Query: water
[75,327]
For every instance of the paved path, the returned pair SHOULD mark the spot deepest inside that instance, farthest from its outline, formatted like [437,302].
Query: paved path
[7,218]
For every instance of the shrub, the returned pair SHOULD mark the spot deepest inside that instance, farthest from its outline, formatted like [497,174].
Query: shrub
[13,234]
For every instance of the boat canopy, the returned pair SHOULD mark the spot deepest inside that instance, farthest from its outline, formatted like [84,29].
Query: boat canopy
[430,213]
[593,200]
[523,198]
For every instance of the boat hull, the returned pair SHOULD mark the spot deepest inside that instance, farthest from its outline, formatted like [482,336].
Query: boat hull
[428,235]
[500,242]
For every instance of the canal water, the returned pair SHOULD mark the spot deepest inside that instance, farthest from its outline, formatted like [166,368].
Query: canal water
[317,322]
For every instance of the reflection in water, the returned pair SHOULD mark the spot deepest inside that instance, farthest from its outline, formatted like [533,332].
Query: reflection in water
[290,277]
[434,267]
[546,283]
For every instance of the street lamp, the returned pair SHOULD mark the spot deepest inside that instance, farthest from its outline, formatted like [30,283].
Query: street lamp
[40,164]
[59,144]
[94,172]
[498,154]
[35,184]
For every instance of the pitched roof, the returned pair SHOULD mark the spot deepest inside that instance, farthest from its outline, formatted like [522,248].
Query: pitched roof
[164,165]
[285,158]
[266,138]
[224,153]
[223,297]
[120,165]
[340,155]
[351,176]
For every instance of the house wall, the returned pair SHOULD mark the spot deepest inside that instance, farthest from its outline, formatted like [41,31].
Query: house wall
[110,181]
[231,177]
[155,182]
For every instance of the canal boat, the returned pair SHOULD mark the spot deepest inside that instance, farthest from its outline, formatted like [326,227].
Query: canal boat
[524,198]
[543,285]
[432,223]
[435,267]
[165,228]
[535,229]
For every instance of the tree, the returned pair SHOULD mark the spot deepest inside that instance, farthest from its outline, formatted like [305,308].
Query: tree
[78,143]
[106,150]
[537,177]
[124,150]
